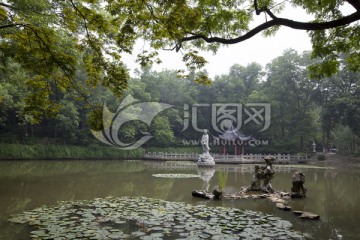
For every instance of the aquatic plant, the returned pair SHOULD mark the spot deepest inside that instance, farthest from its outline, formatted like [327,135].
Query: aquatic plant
[222,180]
[147,218]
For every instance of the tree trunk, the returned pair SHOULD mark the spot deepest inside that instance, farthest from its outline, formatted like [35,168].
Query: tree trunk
[55,130]
[323,140]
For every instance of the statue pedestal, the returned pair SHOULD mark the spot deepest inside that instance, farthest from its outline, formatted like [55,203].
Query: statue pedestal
[206,160]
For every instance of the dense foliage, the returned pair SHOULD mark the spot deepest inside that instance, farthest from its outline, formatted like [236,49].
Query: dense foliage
[52,40]
[302,110]
[60,60]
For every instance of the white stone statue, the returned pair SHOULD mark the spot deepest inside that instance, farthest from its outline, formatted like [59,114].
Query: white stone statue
[205,159]
[205,142]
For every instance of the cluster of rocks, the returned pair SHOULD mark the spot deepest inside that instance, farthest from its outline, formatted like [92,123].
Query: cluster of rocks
[264,175]
[279,198]
[261,188]
[282,203]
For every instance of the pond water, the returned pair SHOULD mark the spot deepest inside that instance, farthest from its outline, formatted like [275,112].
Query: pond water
[333,193]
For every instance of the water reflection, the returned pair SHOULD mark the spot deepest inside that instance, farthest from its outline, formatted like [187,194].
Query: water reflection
[332,193]
[206,173]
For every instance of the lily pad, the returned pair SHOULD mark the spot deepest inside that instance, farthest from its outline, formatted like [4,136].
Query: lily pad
[147,218]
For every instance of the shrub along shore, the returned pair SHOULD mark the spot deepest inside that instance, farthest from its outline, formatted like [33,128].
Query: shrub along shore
[50,151]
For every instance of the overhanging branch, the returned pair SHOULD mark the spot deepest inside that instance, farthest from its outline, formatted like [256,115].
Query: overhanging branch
[11,25]
[5,5]
[308,26]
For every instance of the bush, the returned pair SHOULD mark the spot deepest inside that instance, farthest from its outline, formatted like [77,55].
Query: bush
[357,154]
[321,157]
[51,151]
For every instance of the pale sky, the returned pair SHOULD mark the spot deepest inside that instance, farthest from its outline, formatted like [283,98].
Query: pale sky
[256,49]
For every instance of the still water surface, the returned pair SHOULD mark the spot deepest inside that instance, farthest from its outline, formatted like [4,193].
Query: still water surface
[333,193]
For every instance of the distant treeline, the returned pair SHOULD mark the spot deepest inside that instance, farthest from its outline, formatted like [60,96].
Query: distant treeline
[303,111]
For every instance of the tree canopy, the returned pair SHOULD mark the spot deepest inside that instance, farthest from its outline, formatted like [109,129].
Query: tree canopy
[302,111]
[55,40]
[58,33]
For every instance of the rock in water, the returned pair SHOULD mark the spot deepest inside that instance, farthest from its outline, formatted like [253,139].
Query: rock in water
[283,206]
[201,194]
[217,194]
[206,160]
[298,189]
[277,200]
[307,215]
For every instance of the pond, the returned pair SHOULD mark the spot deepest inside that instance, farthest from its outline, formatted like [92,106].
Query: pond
[333,193]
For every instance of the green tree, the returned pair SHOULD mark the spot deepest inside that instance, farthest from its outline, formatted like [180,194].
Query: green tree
[205,25]
[289,91]
[12,97]
[163,135]
[238,84]
[345,140]
[52,39]
[339,99]
[67,121]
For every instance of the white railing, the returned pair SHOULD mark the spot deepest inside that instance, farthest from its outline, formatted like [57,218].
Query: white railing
[253,157]
[218,157]
[171,156]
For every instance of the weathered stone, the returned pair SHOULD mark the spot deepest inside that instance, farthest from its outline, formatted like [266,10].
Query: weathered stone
[268,174]
[264,174]
[262,195]
[255,184]
[218,194]
[206,160]
[283,206]
[298,189]
[277,200]
[201,194]
[307,215]
[298,213]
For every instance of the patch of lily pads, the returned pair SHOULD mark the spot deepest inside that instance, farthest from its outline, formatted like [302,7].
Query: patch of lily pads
[147,218]
[175,175]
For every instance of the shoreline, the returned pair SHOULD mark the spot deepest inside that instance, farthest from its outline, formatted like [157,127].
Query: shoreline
[51,152]
[335,160]
[17,152]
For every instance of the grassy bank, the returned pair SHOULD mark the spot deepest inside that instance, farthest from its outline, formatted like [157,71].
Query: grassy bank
[38,151]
